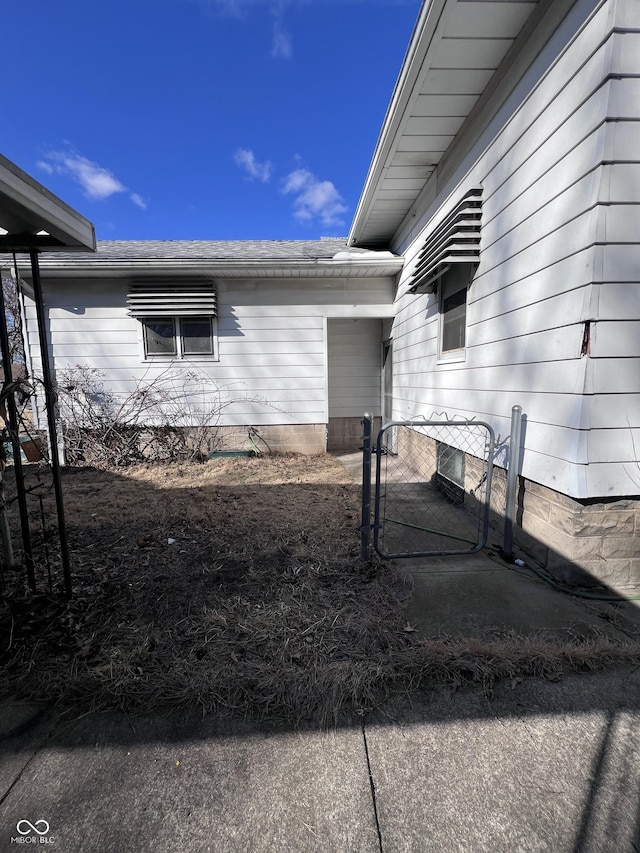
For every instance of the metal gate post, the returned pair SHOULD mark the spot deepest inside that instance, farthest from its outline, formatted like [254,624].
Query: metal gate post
[512,478]
[365,523]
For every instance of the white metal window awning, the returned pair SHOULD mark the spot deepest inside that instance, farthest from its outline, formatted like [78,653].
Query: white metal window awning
[170,299]
[455,241]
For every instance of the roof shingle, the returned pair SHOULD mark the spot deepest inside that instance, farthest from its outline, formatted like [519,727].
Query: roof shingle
[241,250]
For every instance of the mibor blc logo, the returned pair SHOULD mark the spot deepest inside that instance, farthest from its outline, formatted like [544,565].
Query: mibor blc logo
[32,833]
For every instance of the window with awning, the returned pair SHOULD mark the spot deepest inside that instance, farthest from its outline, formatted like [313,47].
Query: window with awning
[178,319]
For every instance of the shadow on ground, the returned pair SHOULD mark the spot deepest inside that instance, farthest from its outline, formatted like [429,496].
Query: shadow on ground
[438,756]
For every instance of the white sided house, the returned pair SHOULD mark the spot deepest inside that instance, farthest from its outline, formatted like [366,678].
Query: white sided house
[507,174]
[276,344]
[494,258]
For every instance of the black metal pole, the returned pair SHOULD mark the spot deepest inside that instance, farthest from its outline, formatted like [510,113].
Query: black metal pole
[12,415]
[50,399]
[365,523]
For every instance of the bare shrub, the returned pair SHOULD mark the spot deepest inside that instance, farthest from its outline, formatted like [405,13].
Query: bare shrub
[170,417]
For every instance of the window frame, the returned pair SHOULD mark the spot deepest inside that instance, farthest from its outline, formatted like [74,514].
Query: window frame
[179,353]
[465,273]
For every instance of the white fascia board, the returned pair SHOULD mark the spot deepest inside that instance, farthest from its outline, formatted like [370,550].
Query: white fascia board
[315,268]
[33,208]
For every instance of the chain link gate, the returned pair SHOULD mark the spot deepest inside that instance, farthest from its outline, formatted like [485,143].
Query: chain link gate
[432,488]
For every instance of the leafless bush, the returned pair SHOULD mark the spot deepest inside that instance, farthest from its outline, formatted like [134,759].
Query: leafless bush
[172,416]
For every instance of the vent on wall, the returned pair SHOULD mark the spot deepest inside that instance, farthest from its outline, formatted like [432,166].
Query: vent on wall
[162,299]
[455,241]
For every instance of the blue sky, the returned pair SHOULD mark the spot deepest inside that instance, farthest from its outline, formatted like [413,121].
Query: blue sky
[201,119]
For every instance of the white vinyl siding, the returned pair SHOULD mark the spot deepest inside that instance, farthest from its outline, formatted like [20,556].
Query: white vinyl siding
[271,340]
[354,357]
[559,247]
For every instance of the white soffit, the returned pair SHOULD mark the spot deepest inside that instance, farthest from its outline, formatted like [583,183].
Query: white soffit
[32,217]
[456,47]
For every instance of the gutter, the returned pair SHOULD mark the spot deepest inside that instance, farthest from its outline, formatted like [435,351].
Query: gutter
[259,268]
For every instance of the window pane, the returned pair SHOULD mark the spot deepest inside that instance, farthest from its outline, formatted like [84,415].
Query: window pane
[454,320]
[454,306]
[450,463]
[197,338]
[159,337]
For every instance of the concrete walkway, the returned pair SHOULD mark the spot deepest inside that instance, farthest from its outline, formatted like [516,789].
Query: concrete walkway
[538,766]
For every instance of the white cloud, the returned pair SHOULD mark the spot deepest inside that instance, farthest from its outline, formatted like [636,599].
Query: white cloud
[46,167]
[237,9]
[246,160]
[138,200]
[96,182]
[314,199]
[281,48]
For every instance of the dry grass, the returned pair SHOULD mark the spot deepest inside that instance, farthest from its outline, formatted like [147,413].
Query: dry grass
[260,607]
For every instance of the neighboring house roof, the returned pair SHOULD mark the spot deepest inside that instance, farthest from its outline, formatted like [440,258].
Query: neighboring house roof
[228,258]
[458,54]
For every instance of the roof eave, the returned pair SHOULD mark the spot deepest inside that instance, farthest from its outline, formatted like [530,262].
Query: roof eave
[419,44]
[28,209]
[410,126]
[259,268]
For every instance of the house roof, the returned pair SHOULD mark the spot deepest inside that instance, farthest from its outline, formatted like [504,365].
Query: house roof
[451,63]
[31,217]
[114,250]
[228,258]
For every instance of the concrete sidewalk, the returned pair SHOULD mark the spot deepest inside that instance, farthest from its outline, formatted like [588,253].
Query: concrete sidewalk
[537,766]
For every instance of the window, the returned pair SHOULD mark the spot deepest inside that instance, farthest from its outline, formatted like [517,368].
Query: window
[449,478]
[159,337]
[179,337]
[178,318]
[453,309]
[446,264]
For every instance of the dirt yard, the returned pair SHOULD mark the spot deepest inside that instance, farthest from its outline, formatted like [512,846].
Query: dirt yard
[233,586]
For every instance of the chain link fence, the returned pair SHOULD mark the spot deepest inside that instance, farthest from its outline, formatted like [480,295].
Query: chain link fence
[432,490]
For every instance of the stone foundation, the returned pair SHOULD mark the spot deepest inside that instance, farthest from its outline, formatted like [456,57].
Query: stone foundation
[589,543]
[579,542]
[345,434]
[274,438]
